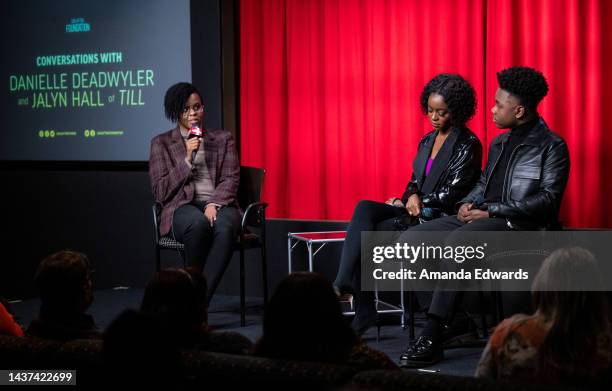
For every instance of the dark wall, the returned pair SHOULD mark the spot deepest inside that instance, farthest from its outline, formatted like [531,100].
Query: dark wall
[325,262]
[206,69]
[107,215]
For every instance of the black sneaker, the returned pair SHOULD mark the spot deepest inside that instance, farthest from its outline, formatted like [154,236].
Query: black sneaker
[422,352]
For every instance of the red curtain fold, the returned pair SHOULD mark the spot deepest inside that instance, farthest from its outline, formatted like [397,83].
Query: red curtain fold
[329,91]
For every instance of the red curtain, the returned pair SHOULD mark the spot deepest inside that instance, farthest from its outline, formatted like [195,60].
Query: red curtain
[329,91]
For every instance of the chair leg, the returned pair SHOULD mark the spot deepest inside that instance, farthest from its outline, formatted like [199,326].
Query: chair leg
[264,272]
[483,314]
[182,252]
[411,312]
[264,262]
[157,258]
[499,307]
[242,293]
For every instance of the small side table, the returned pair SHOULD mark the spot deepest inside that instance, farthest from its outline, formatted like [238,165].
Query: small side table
[312,239]
[315,241]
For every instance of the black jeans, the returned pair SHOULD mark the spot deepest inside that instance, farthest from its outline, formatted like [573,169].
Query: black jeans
[444,302]
[367,216]
[204,242]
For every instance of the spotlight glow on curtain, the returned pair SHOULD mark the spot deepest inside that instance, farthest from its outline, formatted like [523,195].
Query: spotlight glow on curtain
[329,91]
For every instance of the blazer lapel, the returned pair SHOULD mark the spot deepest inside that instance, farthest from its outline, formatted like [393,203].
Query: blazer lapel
[420,161]
[210,155]
[440,162]
[177,146]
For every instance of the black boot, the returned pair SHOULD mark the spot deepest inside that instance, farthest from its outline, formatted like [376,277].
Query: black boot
[366,315]
[422,352]
[427,349]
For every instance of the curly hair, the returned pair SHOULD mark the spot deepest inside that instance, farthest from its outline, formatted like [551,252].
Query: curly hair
[176,98]
[458,95]
[527,84]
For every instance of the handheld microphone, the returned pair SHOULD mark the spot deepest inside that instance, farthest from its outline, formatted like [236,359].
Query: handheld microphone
[194,131]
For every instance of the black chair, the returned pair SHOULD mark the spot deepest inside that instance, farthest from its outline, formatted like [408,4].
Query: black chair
[252,232]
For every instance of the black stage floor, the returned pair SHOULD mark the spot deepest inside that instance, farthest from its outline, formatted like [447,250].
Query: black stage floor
[224,315]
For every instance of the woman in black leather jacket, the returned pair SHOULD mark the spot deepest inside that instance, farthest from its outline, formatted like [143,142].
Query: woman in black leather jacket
[445,169]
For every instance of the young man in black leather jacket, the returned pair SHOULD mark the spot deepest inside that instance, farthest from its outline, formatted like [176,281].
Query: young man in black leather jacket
[520,188]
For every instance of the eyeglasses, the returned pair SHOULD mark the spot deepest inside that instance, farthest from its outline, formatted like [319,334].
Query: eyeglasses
[196,108]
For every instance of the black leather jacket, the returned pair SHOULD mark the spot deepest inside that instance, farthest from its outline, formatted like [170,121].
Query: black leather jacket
[535,179]
[454,172]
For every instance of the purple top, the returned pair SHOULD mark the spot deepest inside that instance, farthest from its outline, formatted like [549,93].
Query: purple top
[428,166]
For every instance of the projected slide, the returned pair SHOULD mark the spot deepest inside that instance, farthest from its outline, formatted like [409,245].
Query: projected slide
[85,80]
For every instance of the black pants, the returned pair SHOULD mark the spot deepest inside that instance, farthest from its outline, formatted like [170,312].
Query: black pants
[367,216]
[203,242]
[444,302]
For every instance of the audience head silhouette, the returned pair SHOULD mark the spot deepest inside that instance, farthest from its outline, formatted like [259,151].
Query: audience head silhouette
[568,339]
[64,282]
[577,316]
[177,299]
[303,321]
